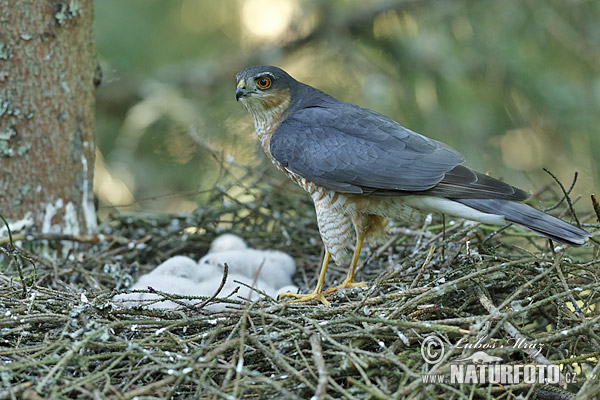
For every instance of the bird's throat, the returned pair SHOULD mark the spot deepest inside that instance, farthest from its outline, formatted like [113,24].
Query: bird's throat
[267,114]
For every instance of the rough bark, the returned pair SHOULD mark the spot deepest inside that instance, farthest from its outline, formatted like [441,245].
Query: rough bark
[47,103]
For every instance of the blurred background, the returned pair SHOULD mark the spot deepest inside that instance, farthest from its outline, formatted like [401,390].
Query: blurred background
[514,85]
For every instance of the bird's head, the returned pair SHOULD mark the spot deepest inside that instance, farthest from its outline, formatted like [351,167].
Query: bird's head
[264,90]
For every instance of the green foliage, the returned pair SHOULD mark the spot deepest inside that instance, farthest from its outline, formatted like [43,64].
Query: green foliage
[513,85]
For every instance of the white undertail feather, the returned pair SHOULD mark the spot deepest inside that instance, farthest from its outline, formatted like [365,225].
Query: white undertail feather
[452,208]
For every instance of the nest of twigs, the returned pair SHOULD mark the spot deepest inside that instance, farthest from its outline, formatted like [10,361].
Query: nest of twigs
[63,337]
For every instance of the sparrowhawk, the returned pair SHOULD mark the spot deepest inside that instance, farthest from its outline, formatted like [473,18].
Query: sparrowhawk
[361,167]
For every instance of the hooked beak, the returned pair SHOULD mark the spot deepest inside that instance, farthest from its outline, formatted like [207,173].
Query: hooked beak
[241,90]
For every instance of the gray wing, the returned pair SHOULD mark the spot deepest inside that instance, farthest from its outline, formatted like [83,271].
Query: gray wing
[350,149]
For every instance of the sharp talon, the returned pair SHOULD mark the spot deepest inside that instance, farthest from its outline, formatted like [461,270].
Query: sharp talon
[302,298]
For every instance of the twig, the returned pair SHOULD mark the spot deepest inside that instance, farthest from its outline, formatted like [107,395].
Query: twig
[369,344]
[17,255]
[10,238]
[439,291]
[415,282]
[591,387]
[427,222]
[563,281]
[223,347]
[494,233]
[163,296]
[317,351]
[13,391]
[149,388]
[564,197]
[596,206]
[373,391]
[513,332]
[566,194]
[214,296]
[93,239]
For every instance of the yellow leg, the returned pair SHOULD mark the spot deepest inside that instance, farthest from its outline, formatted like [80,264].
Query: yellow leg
[349,281]
[316,294]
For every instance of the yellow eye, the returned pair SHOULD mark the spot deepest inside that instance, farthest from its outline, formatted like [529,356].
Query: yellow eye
[263,82]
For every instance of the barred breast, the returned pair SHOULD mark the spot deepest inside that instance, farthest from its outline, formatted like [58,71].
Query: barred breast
[334,219]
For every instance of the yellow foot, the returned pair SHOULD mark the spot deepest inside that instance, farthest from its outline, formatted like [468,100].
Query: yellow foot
[301,298]
[345,285]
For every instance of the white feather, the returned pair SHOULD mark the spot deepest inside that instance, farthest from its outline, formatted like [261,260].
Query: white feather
[452,208]
[227,241]
[275,267]
[181,266]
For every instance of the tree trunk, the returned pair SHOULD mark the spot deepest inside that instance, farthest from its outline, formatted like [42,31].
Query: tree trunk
[47,102]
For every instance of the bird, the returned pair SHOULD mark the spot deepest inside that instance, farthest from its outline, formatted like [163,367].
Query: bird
[362,168]
[269,271]
[272,266]
[182,286]
[227,241]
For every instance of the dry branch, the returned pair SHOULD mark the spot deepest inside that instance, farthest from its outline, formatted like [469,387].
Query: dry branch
[67,339]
